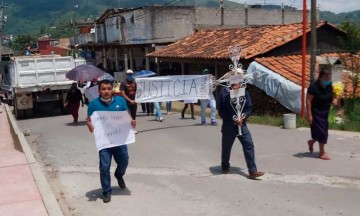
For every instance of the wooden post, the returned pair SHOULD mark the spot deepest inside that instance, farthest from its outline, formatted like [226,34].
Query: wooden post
[147,61]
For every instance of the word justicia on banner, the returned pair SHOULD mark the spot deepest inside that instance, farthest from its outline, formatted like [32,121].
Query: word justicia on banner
[172,88]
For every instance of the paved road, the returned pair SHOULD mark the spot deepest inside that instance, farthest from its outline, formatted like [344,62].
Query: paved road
[174,170]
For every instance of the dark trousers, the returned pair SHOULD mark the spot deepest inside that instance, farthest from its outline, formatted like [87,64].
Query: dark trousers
[150,108]
[121,158]
[191,109]
[229,133]
[143,107]
[133,109]
[74,110]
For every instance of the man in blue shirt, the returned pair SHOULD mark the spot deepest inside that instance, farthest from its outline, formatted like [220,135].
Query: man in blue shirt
[230,130]
[108,102]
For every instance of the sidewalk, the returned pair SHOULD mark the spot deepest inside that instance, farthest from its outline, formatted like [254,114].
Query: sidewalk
[19,194]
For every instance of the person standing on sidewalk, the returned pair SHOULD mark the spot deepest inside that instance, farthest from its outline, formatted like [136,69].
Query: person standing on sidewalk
[230,131]
[128,91]
[108,102]
[73,99]
[318,102]
[204,103]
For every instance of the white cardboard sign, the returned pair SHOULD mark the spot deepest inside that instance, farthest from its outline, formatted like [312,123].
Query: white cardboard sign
[112,128]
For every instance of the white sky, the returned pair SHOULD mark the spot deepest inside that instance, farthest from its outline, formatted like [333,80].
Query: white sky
[336,6]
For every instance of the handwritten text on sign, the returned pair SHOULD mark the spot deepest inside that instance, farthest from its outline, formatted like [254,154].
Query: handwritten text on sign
[112,129]
[172,88]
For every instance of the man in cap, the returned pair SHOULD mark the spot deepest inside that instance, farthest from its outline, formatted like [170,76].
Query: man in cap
[128,91]
[231,126]
[208,102]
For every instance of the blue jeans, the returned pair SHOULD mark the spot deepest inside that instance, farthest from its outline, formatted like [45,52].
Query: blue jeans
[229,133]
[121,158]
[204,104]
[168,106]
[157,107]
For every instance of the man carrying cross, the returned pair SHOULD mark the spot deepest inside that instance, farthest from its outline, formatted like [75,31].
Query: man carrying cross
[235,107]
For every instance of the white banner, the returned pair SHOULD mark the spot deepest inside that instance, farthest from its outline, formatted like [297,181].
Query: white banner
[112,128]
[172,88]
[91,93]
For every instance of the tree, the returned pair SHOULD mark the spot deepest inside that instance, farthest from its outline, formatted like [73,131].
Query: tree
[21,42]
[351,42]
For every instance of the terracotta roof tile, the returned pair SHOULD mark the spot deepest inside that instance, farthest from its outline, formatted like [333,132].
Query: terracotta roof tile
[214,43]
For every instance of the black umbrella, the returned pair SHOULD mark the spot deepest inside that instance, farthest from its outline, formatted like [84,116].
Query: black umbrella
[84,73]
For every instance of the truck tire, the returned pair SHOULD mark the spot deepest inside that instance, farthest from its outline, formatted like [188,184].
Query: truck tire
[8,100]
[29,113]
[18,113]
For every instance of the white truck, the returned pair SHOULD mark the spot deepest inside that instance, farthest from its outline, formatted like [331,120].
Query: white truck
[30,82]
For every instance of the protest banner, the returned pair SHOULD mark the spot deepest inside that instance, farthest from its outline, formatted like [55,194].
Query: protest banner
[112,128]
[92,93]
[172,88]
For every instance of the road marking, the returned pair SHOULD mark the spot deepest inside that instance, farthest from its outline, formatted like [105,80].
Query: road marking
[290,178]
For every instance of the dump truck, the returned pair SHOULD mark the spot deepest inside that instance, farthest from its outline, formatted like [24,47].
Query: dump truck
[33,82]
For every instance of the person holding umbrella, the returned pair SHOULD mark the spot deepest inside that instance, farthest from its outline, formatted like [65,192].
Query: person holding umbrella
[128,91]
[73,99]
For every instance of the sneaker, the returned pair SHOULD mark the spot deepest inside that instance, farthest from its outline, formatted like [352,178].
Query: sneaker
[107,198]
[203,123]
[161,119]
[214,123]
[121,183]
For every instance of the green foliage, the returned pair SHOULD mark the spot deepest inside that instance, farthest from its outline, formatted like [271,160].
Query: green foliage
[332,116]
[22,41]
[351,42]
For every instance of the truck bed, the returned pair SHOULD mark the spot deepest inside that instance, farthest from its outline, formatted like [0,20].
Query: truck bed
[36,73]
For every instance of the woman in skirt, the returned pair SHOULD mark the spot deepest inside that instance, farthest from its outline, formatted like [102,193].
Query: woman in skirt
[318,102]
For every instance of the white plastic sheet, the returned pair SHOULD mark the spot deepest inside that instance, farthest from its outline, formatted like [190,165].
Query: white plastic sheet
[276,86]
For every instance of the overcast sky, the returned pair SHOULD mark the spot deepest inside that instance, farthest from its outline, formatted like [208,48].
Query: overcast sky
[336,6]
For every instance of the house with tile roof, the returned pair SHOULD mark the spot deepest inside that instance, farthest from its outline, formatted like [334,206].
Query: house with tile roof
[208,48]
[124,36]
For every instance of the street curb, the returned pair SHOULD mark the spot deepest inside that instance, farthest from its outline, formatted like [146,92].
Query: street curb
[48,198]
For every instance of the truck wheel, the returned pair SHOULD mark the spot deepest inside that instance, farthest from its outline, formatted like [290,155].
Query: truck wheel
[9,101]
[29,113]
[18,113]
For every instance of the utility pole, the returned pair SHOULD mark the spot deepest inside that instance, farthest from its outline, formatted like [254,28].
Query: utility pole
[303,52]
[313,47]
[2,22]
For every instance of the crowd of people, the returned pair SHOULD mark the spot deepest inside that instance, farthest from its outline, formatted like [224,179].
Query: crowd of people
[319,100]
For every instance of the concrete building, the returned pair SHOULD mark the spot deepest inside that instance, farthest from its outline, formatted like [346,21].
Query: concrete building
[123,37]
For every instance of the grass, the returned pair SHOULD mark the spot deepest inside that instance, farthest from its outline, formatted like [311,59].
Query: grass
[277,121]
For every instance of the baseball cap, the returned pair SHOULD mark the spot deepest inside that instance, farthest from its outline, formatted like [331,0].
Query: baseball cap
[129,71]
[206,71]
